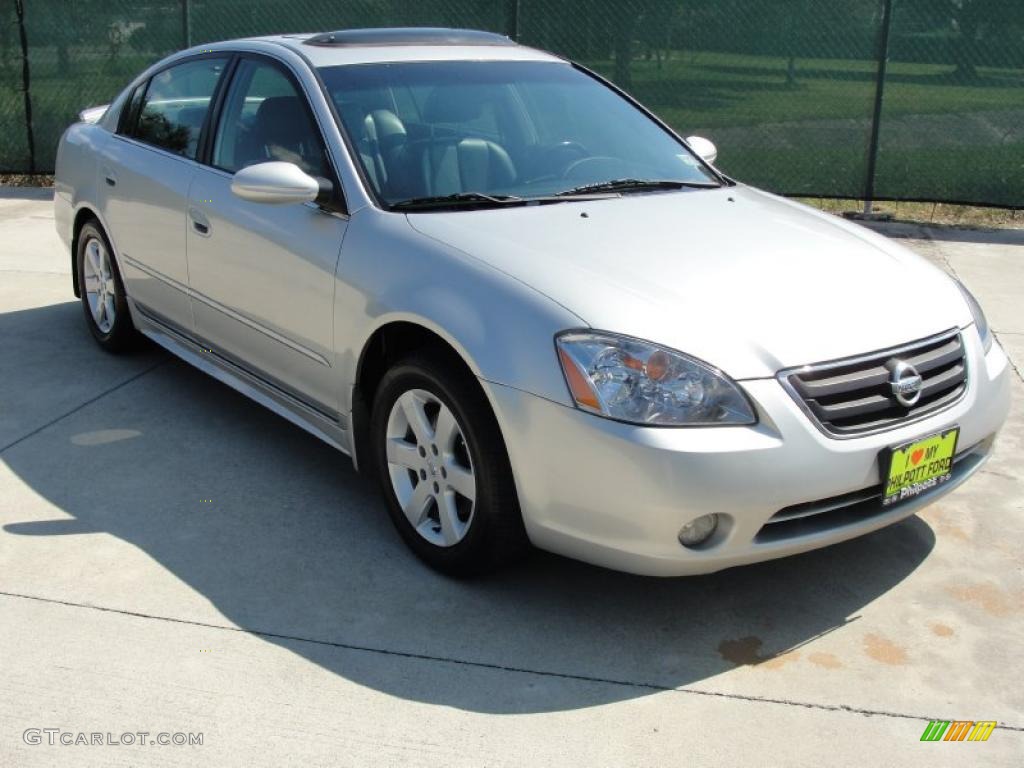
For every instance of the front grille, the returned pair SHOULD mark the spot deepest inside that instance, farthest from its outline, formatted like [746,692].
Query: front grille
[849,509]
[854,396]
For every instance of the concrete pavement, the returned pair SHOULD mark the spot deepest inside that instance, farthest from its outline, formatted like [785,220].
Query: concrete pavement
[174,558]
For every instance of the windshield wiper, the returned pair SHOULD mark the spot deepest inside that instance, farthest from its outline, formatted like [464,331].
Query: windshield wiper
[637,185]
[456,199]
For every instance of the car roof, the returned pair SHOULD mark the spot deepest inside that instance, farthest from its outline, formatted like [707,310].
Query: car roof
[366,46]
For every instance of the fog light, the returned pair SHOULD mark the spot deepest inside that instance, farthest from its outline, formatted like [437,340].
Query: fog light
[698,531]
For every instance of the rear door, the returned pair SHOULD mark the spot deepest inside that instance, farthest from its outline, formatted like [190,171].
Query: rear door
[262,276]
[146,171]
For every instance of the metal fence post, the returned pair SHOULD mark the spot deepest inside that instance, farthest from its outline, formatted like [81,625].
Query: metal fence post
[26,82]
[512,19]
[876,118]
[186,23]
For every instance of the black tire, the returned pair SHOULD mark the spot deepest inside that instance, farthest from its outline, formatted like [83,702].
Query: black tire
[495,537]
[121,337]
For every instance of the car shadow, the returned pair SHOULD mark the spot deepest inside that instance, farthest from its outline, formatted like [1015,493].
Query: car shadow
[285,539]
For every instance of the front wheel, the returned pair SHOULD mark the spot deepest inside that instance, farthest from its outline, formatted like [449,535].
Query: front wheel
[444,469]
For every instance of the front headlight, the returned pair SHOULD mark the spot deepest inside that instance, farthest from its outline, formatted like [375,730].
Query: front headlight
[980,321]
[642,383]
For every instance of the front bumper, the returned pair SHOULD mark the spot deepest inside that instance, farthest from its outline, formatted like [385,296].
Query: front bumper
[617,495]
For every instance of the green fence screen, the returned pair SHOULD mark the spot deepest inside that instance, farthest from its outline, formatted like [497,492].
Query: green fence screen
[886,99]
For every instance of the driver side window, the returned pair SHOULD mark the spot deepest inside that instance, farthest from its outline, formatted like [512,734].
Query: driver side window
[267,118]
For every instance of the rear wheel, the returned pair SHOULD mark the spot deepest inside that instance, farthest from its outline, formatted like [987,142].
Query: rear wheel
[444,470]
[103,296]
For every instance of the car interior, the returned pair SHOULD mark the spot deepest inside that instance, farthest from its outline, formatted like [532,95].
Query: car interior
[437,139]
[279,131]
[453,143]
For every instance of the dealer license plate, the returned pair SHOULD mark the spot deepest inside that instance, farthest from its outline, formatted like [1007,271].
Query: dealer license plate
[911,469]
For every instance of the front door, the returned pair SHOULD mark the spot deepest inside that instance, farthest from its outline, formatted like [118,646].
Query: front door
[262,276]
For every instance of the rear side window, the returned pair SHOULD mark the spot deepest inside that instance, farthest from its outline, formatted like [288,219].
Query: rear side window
[130,111]
[175,104]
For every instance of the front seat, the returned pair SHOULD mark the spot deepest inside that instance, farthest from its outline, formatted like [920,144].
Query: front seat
[450,164]
[379,136]
[386,139]
[282,131]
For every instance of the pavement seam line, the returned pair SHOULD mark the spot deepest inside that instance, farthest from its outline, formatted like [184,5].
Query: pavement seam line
[1010,359]
[37,272]
[490,665]
[80,406]
[937,249]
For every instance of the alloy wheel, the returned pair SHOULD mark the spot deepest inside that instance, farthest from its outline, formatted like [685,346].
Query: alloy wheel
[99,284]
[430,467]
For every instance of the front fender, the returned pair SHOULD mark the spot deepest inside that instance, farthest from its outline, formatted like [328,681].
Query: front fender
[502,328]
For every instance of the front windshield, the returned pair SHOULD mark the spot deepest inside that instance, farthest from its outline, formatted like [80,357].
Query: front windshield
[505,129]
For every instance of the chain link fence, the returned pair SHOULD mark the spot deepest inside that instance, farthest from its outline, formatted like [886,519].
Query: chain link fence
[876,99]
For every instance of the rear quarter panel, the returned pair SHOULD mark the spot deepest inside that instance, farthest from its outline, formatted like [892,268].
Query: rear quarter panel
[75,176]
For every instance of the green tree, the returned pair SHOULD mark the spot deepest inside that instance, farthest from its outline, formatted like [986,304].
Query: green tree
[655,27]
[970,19]
[81,23]
[646,21]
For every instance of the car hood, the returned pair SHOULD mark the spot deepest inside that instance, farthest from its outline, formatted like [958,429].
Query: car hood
[744,280]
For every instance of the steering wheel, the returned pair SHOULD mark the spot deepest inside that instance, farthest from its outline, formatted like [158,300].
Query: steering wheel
[590,167]
[560,155]
[573,147]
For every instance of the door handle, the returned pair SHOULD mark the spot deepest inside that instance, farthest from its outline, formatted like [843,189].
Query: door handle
[199,221]
[111,181]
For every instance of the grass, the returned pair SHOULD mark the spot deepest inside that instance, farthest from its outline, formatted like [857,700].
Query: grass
[941,138]
[941,214]
[707,89]
[962,174]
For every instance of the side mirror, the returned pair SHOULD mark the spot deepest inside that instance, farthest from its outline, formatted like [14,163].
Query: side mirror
[703,147]
[92,114]
[277,183]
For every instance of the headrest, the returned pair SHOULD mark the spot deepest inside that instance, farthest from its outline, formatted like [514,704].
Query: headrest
[279,114]
[385,126]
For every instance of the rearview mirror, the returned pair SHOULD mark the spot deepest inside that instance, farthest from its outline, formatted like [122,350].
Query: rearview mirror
[703,147]
[278,183]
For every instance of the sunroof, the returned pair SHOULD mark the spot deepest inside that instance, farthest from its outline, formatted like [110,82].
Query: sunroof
[408,36]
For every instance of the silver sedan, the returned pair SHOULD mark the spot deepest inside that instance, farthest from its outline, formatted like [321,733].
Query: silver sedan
[523,302]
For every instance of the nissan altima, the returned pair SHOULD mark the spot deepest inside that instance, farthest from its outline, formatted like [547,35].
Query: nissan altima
[523,302]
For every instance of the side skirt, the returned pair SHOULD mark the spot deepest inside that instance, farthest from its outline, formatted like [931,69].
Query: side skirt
[331,431]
